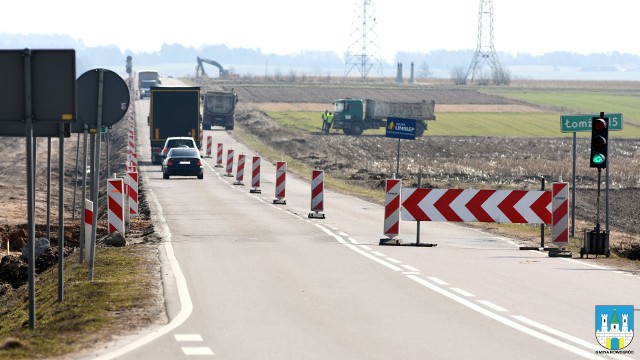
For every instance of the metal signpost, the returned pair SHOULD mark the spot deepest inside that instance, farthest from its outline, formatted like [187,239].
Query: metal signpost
[37,98]
[582,123]
[103,100]
[399,128]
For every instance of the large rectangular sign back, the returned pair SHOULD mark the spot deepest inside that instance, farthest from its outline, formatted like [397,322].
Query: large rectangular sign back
[52,76]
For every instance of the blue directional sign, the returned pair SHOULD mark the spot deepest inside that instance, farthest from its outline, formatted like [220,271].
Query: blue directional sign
[399,128]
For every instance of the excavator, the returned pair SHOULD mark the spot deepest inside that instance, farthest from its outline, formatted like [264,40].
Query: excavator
[200,68]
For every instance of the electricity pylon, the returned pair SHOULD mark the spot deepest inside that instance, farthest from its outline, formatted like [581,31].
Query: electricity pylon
[485,52]
[363,51]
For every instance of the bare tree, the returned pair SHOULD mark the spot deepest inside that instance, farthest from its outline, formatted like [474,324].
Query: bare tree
[483,79]
[277,75]
[501,77]
[458,76]
[292,76]
[424,71]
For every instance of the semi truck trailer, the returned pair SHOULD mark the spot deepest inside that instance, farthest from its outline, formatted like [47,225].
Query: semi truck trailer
[174,111]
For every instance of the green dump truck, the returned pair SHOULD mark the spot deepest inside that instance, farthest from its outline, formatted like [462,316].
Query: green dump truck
[354,116]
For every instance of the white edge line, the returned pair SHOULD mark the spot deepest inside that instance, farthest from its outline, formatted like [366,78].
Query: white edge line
[186,306]
[357,249]
[586,264]
[561,334]
[503,320]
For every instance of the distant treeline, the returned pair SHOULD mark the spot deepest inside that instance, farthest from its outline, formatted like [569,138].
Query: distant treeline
[90,57]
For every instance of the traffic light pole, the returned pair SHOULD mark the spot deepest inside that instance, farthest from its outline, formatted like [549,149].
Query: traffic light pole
[598,201]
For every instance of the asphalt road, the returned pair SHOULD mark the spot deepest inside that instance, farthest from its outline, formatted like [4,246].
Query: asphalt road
[247,279]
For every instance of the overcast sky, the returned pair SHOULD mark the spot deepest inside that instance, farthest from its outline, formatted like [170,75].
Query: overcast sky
[291,26]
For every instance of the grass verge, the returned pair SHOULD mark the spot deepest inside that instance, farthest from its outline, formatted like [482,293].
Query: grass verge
[116,301]
[302,170]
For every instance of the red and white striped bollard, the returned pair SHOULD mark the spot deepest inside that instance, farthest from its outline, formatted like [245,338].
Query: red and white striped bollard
[317,194]
[219,156]
[281,181]
[560,214]
[392,203]
[255,176]
[133,193]
[115,212]
[209,145]
[229,163]
[240,170]
[88,227]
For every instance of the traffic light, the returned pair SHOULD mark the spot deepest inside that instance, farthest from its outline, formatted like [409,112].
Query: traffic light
[129,64]
[599,142]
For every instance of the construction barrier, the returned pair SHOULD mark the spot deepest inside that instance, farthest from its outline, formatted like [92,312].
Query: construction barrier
[560,231]
[115,214]
[88,226]
[209,145]
[469,205]
[240,170]
[219,156]
[281,180]
[131,147]
[392,208]
[229,163]
[133,162]
[317,194]
[255,176]
[133,193]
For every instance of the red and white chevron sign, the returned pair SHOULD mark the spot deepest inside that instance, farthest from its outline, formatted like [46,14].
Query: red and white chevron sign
[468,205]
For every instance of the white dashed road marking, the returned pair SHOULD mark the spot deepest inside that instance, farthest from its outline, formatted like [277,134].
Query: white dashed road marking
[462,292]
[410,268]
[197,350]
[188,337]
[437,281]
[491,305]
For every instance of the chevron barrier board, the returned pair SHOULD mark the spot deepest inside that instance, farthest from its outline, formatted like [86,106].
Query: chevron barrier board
[469,205]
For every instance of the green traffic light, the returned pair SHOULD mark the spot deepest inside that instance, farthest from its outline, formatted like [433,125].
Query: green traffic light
[598,159]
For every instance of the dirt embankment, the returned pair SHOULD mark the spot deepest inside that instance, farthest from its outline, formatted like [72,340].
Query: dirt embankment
[13,206]
[447,162]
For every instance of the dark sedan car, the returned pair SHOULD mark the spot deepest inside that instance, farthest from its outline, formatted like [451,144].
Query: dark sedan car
[182,162]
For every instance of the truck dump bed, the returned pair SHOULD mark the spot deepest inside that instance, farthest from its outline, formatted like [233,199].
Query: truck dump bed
[219,102]
[419,111]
